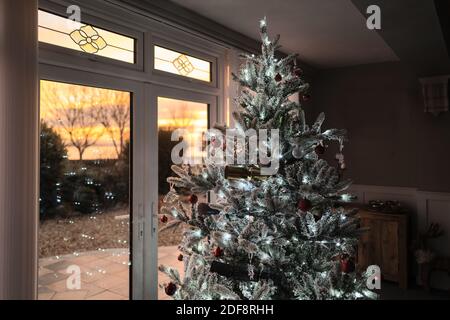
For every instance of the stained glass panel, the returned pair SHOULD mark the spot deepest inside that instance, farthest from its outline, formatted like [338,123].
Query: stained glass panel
[182,64]
[60,31]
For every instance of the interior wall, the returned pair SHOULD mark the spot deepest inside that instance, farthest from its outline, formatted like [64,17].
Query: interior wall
[392,141]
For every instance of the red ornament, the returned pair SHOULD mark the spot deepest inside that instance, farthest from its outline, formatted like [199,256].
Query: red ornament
[306,97]
[218,252]
[164,219]
[304,205]
[278,77]
[170,289]
[216,142]
[298,72]
[320,149]
[193,199]
[180,257]
[347,264]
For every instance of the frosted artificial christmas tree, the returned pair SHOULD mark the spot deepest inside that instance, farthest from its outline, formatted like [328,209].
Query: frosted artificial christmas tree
[279,236]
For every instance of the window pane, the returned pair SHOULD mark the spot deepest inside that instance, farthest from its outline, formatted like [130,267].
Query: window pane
[66,33]
[84,192]
[181,64]
[175,114]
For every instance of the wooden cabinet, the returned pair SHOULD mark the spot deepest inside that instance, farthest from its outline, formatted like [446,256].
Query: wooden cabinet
[385,245]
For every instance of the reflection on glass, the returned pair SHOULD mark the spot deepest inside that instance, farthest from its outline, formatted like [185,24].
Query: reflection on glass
[181,64]
[174,114]
[63,32]
[84,193]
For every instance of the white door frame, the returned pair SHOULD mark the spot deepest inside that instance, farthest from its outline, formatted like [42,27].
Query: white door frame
[151,172]
[137,203]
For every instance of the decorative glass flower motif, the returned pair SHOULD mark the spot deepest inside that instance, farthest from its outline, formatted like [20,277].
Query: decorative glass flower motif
[183,65]
[88,39]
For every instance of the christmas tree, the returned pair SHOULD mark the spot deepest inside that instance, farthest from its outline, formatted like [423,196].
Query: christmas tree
[279,236]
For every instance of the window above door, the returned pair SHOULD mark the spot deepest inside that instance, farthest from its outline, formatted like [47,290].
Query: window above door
[181,64]
[60,31]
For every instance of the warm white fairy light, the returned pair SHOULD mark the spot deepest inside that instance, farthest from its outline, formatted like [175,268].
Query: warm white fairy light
[197,233]
[226,237]
[346,197]
[264,256]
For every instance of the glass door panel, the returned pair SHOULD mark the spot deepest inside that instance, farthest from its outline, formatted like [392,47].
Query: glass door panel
[193,117]
[84,233]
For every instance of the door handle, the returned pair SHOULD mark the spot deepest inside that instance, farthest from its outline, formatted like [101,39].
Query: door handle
[154,215]
[140,221]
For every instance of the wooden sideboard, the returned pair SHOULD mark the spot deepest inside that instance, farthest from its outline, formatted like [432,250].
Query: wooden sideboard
[385,244]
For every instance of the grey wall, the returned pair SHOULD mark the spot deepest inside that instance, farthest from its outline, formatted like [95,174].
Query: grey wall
[392,141]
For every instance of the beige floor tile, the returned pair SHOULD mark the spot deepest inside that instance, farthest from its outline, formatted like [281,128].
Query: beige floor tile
[59,286]
[110,281]
[98,264]
[70,295]
[122,259]
[51,277]
[46,296]
[123,290]
[114,268]
[84,259]
[91,275]
[59,266]
[106,295]
[46,261]
[91,289]
[43,271]
[124,274]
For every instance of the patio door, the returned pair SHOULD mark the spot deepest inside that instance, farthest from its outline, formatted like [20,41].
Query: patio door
[91,186]
[173,109]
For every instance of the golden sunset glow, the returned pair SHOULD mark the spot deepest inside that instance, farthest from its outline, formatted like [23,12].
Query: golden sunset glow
[84,115]
[96,121]
[192,116]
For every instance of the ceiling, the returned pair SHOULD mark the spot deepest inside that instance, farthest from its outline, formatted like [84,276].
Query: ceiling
[418,31]
[325,33]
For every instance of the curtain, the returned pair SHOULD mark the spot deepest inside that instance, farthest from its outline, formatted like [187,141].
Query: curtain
[435,93]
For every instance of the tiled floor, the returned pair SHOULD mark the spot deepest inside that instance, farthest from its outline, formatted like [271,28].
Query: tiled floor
[104,275]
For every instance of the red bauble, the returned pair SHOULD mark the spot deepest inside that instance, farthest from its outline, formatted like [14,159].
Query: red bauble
[180,257]
[215,142]
[164,219]
[306,97]
[304,205]
[278,77]
[170,289]
[347,264]
[193,199]
[218,252]
[298,72]
[320,149]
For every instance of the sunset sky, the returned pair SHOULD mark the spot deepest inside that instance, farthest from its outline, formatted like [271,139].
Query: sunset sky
[56,98]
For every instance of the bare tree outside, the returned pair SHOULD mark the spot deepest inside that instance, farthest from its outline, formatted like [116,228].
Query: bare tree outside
[75,112]
[115,118]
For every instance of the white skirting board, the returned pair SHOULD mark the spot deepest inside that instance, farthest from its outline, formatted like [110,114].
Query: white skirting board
[424,207]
